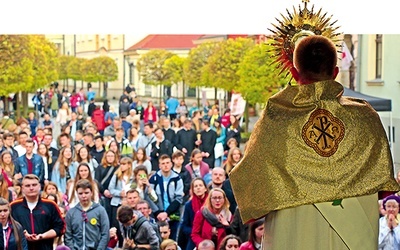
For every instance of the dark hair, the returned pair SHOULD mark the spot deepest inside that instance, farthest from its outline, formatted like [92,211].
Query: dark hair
[252,230]
[124,213]
[315,58]
[177,154]
[98,137]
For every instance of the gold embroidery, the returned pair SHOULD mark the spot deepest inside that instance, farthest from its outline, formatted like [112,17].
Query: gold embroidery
[323,132]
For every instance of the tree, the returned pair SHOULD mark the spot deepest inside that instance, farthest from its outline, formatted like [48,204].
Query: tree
[223,64]
[102,69]
[174,65]
[194,66]
[259,80]
[15,64]
[151,68]
[75,69]
[28,62]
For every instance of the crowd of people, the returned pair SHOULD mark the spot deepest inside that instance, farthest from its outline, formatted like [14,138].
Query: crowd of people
[133,177]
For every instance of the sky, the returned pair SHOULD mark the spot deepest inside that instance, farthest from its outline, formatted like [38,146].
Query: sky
[138,18]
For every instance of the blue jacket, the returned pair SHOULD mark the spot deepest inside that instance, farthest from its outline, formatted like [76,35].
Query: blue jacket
[62,181]
[21,166]
[115,187]
[174,192]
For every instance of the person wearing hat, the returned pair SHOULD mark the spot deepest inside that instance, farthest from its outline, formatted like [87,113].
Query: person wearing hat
[389,230]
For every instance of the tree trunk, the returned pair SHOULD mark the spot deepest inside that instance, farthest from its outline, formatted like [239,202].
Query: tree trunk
[6,104]
[198,95]
[161,93]
[183,90]
[18,105]
[24,97]
[216,96]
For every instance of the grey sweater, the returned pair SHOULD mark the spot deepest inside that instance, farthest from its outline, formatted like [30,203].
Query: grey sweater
[91,231]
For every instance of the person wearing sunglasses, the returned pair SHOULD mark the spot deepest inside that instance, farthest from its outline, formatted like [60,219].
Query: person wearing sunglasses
[87,222]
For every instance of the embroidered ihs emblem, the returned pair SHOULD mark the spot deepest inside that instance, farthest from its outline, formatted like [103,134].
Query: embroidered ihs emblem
[323,132]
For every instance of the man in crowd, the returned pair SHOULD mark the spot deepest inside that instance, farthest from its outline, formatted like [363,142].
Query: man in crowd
[8,145]
[87,222]
[147,138]
[99,150]
[29,163]
[159,147]
[22,137]
[137,232]
[208,139]
[41,218]
[218,177]
[186,139]
[169,189]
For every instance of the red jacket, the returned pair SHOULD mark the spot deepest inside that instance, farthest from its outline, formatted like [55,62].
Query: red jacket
[146,114]
[246,246]
[202,230]
[98,119]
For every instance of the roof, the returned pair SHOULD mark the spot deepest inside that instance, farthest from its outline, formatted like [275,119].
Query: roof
[379,104]
[166,42]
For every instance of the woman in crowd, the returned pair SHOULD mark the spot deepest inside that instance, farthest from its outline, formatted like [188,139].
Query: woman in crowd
[110,115]
[199,194]
[150,113]
[140,158]
[7,167]
[233,131]
[231,143]
[51,188]
[64,114]
[134,138]
[139,110]
[182,109]
[197,167]
[212,220]
[120,182]
[83,171]
[389,229]
[163,110]
[177,125]
[33,122]
[113,146]
[220,145]
[234,156]
[43,151]
[63,169]
[5,192]
[109,164]
[256,232]
[13,232]
[84,156]
[169,244]
[230,242]
[142,185]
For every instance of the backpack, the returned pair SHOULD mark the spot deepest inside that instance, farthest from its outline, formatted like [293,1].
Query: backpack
[132,230]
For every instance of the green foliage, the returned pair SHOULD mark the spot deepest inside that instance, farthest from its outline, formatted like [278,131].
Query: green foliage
[63,67]
[74,68]
[151,67]
[98,69]
[45,62]
[194,66]
[258,79]
[27,62]
[174,67]
[223,64]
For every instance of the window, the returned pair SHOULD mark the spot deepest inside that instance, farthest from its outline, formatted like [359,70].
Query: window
[191,92]
[378,59]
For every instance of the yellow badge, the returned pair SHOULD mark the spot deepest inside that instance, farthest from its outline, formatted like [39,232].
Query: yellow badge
[93,221]
[323,132]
